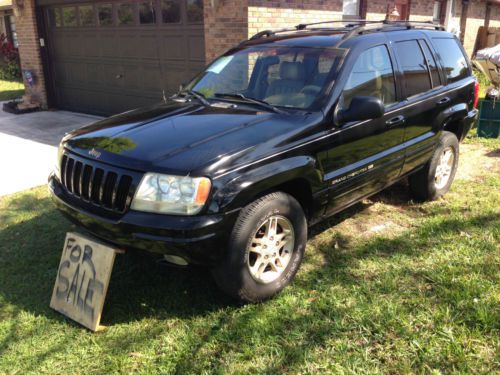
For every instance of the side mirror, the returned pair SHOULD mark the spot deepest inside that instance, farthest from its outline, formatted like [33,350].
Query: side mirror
[361,108]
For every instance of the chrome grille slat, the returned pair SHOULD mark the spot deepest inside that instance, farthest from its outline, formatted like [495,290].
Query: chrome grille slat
[69,175]
[100,187]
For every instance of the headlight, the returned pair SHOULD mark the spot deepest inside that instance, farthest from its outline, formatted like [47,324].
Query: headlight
[168,194]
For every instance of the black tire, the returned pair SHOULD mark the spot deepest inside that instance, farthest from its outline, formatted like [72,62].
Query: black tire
[232,274]
[423,183]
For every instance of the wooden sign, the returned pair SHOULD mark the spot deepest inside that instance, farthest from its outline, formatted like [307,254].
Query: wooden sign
[82,280]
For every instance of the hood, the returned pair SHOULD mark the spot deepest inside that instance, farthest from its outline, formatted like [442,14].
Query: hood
[182,138]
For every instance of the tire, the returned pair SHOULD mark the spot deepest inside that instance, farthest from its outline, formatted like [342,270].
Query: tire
[239,273]
[424,184]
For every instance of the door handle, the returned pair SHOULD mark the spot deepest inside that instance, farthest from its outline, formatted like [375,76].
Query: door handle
[443,101]
[398,120]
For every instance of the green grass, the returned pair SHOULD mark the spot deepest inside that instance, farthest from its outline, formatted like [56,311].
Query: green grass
[390,286]
[11,90]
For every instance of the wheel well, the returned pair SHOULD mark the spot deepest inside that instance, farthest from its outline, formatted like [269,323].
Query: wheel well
[455,127]
[300,189]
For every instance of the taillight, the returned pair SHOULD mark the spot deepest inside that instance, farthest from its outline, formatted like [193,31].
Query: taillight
[476,93]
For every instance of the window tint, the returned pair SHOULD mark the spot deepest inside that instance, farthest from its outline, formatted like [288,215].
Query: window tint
[147,12]
[452,58]
[195,11]
[125,14]
[86,15]
[431,63]
[105,12]
[372,75]
[69,16]
[170,11]
[417,79]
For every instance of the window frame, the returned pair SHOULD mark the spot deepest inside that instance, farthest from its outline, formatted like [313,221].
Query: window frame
[436,61]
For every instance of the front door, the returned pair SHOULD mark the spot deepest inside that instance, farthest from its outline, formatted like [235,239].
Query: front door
[366,156]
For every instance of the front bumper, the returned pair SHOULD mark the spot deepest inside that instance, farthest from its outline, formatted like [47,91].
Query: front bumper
[197,239]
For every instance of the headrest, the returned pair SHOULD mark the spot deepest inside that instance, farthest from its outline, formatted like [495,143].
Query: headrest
[292,70]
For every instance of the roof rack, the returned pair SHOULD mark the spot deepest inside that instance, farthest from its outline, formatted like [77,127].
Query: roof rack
[354,27]
[386,25]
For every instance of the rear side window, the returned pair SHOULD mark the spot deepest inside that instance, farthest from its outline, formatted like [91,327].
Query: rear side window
[453,60]
[417,79]
[371,75]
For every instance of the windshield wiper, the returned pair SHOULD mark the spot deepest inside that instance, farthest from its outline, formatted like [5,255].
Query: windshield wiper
[242,97]
[197,95]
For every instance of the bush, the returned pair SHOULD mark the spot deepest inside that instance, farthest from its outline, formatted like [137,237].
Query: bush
[10,68]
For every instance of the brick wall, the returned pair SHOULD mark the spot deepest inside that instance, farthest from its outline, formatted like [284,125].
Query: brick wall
[29,49]
[272,14]
[226,24]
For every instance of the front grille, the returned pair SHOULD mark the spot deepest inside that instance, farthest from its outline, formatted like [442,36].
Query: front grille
[99,186]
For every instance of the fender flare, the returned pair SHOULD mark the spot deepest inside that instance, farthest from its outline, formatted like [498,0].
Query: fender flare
[247,186]
[454,114]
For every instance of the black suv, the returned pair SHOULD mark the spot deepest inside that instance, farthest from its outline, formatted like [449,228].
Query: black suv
[280,132]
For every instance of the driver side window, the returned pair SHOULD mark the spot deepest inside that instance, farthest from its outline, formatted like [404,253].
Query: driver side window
[372,75]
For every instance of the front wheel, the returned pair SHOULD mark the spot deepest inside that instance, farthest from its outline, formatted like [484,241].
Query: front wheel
[265,249]
[435,179]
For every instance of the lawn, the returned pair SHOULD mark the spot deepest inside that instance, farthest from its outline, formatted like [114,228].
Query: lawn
[390,286]
[11,90]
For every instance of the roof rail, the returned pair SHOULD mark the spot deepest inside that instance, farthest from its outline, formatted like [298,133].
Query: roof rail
[349,22]
[268,33]
[303,26]
[391,25]
[355,27]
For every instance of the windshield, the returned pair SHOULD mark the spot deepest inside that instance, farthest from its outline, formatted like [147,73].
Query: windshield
[292,77]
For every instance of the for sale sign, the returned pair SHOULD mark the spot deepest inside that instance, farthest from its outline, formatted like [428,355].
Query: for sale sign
[82,280]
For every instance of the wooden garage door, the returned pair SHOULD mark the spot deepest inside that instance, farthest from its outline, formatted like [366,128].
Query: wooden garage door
[108,57]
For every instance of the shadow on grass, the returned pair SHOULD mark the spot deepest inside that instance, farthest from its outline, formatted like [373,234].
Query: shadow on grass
[139,291]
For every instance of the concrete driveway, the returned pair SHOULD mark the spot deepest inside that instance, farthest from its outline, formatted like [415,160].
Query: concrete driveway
[28,146]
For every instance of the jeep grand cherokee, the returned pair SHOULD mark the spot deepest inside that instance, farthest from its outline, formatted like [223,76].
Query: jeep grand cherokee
[280,132]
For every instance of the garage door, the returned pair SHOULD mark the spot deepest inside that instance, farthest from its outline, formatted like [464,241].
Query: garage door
[108,57]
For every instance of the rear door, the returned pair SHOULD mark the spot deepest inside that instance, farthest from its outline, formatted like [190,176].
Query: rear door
[421,89]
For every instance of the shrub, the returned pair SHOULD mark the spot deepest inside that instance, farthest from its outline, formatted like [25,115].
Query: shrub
[10,68]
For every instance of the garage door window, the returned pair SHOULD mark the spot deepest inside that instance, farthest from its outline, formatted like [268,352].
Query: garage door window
[125,14]
[55,17]
[69,16]
[195,11]
[86,15]
[105,12]
[147,13]
[170,11]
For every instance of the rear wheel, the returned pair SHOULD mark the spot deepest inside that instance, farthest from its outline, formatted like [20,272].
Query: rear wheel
[265,248]
[435,179]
